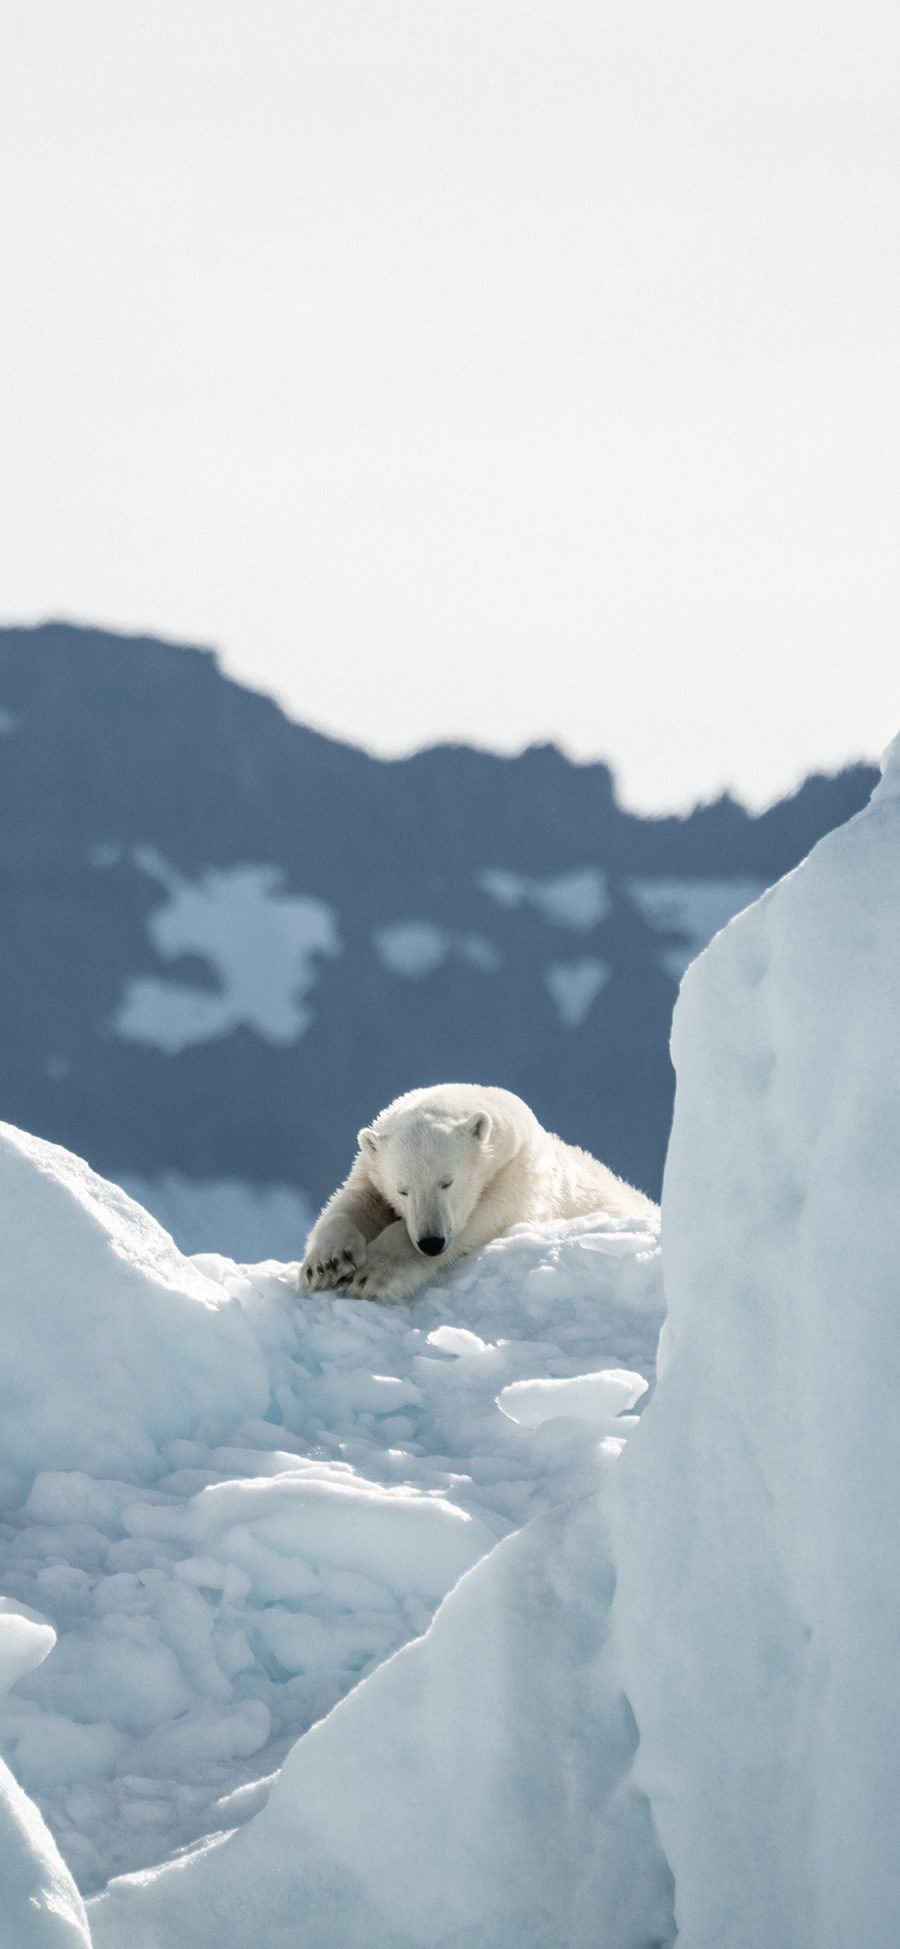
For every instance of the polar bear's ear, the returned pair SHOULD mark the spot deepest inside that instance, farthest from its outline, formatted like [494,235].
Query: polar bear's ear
[367,1141]
[478,1126]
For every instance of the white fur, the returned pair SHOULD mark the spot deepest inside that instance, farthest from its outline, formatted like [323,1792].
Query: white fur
[471,1161]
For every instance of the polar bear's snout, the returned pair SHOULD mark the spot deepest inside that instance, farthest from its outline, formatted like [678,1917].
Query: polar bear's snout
[431,1227]
[430,1220]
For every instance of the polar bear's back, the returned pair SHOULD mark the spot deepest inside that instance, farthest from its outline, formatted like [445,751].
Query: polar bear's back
[564,1181]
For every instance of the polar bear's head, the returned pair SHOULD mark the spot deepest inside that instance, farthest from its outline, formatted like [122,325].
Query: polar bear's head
[431,1170]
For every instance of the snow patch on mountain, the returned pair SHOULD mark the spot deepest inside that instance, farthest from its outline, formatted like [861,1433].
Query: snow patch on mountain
[578,899]
[575,986]
[414,948]
[693,910]
[411,947]
[244,1221]
[263,948]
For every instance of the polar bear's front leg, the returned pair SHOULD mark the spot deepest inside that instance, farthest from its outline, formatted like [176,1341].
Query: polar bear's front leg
[336,1251]
[393,1268]
[339,1240]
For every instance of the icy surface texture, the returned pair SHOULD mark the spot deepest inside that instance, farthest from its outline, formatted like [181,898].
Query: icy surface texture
[233,1507]
[758,1603]
[40,1907]
[475,1791]
[112,1342]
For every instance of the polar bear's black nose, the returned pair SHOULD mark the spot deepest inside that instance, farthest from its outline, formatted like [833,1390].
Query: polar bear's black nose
[433,1246]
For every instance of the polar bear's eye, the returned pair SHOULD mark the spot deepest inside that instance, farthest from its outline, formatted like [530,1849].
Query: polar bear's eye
[445,1184]
[402,1194]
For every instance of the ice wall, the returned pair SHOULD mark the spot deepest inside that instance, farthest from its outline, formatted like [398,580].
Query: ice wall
[758,1605]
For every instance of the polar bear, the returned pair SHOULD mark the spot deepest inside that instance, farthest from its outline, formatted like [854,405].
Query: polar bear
[440,1172]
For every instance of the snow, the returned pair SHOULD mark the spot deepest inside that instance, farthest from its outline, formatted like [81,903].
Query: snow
[234,1509]
[262,946]
[415,948]
[575,986]
[411,947]
[112,1342]
[695,910]
[758,1604]
[578,899]
[594,1398]
[474,1791]
[245,1221]
[40,1907]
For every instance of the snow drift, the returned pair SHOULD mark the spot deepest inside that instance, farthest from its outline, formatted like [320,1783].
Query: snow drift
[758,1539]
[112,1342]
[233,1509]
[40,1907]
[475,1790]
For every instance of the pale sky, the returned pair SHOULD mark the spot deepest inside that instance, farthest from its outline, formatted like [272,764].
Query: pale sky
[473,369]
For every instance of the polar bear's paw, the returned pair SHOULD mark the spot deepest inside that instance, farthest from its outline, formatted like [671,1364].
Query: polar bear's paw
[381,1283]
[392,1271]
[335,1255]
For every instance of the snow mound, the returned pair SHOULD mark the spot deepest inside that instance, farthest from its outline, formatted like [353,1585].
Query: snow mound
[474,1791]
[475,1788]
[233,1508]
[758,1604]
[113,1343]
[40,1907]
